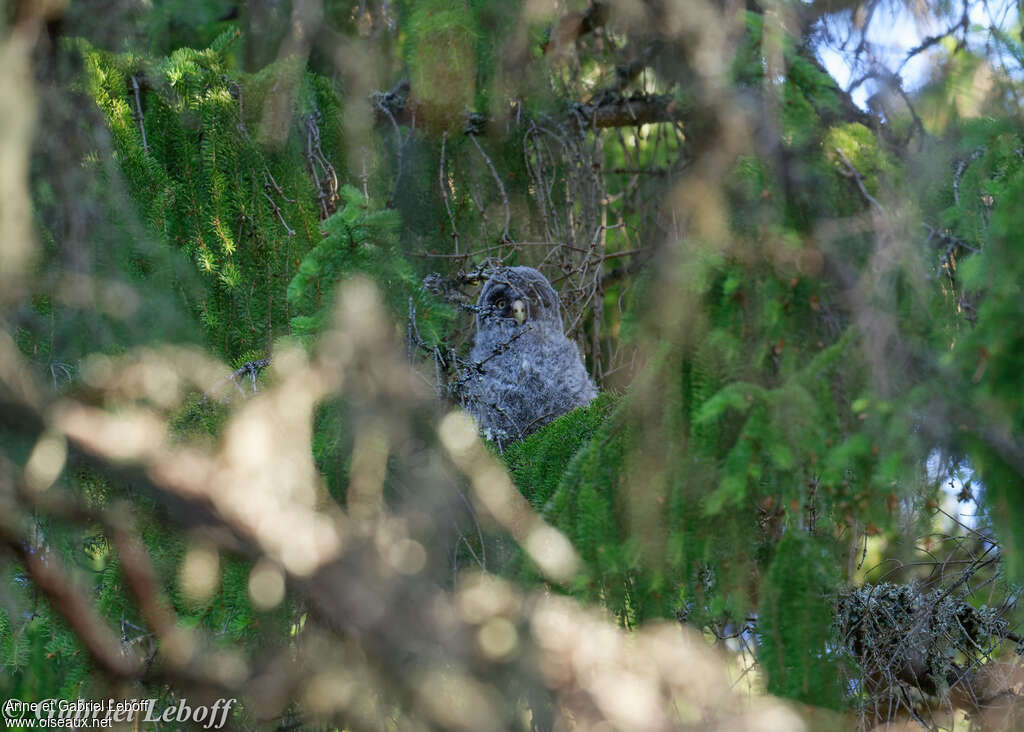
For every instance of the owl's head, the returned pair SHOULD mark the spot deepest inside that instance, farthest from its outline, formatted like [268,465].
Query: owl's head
[516,296]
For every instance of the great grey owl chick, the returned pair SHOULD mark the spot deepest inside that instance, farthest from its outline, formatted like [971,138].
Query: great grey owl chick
[524,371]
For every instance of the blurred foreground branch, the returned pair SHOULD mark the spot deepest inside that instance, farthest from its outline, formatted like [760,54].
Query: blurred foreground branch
[384,631]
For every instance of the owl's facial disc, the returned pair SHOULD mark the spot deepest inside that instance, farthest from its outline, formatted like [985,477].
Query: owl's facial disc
[519,311]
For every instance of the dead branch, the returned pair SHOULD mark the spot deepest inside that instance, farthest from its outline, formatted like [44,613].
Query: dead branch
[639,109]
[612,110]
[323,174]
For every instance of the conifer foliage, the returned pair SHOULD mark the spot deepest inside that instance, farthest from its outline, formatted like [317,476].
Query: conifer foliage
[803,311]
[243,212]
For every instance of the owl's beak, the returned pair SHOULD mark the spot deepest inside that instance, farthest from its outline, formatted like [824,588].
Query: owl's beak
[519,311]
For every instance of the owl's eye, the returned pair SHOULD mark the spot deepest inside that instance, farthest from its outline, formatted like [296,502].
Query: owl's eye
[500,303]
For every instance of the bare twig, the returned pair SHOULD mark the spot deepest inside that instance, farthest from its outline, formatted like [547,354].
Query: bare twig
[442,178]
[960,168]
[280,216]
[501,188]
[852,172]
[138,112]
[325,178]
